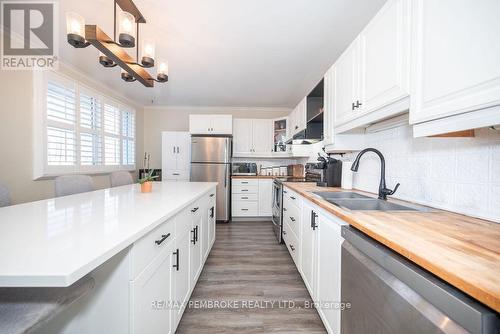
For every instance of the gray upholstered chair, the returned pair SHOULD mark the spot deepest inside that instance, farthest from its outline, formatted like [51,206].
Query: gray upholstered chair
[120,178]
[4,196]
[73,184]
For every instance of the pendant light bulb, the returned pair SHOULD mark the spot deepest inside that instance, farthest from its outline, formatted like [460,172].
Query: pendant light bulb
[162,75]
[126,29]
[75,30]
[148,53]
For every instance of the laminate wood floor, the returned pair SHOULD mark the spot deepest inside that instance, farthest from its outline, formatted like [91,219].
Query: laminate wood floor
[246,271]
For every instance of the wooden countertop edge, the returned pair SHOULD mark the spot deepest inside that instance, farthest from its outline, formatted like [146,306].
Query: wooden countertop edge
[478,293]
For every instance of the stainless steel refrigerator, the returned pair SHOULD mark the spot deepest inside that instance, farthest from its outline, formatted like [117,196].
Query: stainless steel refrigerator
[211,162]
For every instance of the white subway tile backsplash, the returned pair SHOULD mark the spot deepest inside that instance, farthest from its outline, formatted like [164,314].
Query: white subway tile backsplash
[455,174]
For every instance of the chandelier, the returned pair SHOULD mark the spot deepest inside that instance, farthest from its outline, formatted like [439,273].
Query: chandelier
[112,52]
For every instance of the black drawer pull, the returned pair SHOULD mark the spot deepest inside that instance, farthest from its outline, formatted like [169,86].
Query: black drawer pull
[212,212]
[244,189]
[284,209]
[284,232]
[292,219]
[194,210]
[163,238]
[292,248]
[244,209]
[285,192]
[244,182]
[176,265]
[212,195]
[175,174]
[292,197]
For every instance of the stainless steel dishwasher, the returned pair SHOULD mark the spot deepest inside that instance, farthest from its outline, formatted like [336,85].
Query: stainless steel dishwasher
[389,294]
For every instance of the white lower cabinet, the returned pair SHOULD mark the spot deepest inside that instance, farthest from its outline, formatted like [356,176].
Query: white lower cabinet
[317,256]
[329,242]
[150,294]
[252,197]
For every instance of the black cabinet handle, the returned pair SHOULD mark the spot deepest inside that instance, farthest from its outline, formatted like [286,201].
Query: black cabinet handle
[175,174]
[284,209]
[296,127]
[284,232]
[358,104]
[194,210]
[212,209]
[292,197]
[292,219]
[292,248]
[176,265]
[196,233]
[163,238]
[285,192]
[244,182]
[353,106]
[194,236]
[313,220]
[212,195]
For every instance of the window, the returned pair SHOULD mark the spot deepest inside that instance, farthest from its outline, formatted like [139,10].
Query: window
[83,131]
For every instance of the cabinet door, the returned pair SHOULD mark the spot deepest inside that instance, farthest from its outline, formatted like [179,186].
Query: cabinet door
[196,249]
[262,136]
[150,294]
[169,150]
[183,151]
[200,124]
[182,286]
[455,57]
[301,115]
[328,271]
[385,52]
[265,197]
[294,127]
[328,107]
[222,124]
[346,81]
[308,247]
[242,138]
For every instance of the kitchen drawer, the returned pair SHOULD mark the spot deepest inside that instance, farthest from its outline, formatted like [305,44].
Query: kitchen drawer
[292,243]
[245,182]
[175,175]
[144,250]
[292,197]
[245,189]
[292,215]
[245,209]
[245,197]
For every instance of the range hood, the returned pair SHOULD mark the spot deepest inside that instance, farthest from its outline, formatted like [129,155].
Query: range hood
[314,127]
[313,132]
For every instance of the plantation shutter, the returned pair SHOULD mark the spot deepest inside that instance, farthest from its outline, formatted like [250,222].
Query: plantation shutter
[112,145]
[61,124]
[128,142]
[90,130]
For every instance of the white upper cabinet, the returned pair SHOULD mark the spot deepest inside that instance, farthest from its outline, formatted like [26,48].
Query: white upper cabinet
[298,118]
[242,137]
[385,58]
[263,142]
[371,78]
[455,65]
[211,124]
[346,85]
[253,137]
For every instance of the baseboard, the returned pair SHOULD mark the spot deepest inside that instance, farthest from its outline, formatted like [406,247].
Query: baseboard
[251,219]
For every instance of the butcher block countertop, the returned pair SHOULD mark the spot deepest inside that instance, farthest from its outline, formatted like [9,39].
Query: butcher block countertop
[461,250]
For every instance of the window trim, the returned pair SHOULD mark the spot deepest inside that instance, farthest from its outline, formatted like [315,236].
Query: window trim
[41,169]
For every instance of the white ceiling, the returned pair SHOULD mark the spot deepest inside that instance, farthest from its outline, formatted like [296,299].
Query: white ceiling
[257,53]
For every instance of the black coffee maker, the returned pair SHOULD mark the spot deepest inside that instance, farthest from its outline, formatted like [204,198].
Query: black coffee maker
[332,171]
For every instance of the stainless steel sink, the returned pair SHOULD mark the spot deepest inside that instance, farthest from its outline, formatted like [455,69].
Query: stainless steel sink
[371,204]
[339,194]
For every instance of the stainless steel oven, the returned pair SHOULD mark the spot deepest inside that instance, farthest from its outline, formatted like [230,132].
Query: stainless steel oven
[278,208]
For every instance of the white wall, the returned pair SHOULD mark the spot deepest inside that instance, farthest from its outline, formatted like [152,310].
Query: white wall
[455,174]
[157,120]
[16,136]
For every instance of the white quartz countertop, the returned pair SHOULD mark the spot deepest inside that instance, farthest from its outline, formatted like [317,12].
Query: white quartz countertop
[55,242]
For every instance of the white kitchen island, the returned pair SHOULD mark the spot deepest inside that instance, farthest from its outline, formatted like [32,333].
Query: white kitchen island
[144,251]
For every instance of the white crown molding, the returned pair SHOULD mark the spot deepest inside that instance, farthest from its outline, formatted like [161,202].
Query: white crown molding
[217,109]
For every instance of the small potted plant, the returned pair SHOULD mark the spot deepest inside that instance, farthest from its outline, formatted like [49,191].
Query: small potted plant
[147,178]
